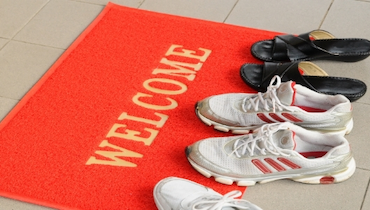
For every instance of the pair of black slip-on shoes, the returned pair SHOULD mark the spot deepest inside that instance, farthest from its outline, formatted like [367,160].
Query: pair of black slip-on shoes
[288,56]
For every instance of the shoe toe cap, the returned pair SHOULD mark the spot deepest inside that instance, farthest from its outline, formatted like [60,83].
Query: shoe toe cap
[221,109]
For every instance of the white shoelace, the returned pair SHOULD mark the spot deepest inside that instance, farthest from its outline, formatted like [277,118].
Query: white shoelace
[228,200]
[263,142]
[266,99]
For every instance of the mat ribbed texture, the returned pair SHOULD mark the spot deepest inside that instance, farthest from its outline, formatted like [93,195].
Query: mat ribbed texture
[114,114]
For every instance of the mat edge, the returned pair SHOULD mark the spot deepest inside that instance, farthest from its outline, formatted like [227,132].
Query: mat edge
[37,86]
[56,64]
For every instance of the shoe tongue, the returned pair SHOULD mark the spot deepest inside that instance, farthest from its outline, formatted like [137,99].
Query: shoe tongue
[284,139]
[286,93]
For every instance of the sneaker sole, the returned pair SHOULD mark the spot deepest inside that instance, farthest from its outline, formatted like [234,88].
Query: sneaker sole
[250,129]
[328,178]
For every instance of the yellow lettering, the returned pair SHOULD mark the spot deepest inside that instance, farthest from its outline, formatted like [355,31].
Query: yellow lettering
[158,124]
[131,134]
[113,156]
[136,100]
[179,69]
[188,53]
[182,86]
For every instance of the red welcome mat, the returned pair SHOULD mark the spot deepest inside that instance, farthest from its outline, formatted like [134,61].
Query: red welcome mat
[113,115]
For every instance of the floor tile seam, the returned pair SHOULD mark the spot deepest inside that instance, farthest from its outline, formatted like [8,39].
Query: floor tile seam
[360,102]
[8,40]
[364,169]
[366,1]
[31,18]
[141,4]
[7,97]
[365,194]
[86,2]
[97,4]
[231,10]
[38,44]
[326,14]
[83,2]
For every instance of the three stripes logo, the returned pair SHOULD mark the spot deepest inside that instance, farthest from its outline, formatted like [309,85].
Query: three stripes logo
[276,165]
[273,117]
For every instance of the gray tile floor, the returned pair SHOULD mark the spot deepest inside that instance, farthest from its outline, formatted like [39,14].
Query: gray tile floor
[34,33]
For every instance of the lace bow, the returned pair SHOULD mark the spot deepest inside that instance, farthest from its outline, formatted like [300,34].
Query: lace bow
[265,99]
[261,142]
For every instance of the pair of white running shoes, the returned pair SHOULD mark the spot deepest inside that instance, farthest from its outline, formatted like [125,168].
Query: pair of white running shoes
[288,132]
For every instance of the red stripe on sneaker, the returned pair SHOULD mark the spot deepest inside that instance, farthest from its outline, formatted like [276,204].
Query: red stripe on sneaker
[327,180]
[264,118]
[261,166]
[276,117]
[294,94]
[311,109]
[274,164]
[289,163]
[291,117]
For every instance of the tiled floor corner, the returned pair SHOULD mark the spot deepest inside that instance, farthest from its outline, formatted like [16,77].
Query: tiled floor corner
[58,23]
[33,34]
[15,14]
[22,65]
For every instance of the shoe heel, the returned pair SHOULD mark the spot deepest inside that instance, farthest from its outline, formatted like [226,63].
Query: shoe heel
[330,178]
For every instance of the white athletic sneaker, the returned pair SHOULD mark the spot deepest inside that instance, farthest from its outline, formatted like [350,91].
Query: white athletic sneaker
[275,151]
[282,102]
[174,193]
